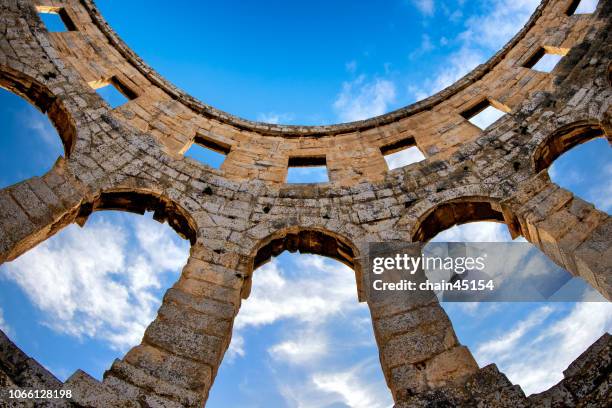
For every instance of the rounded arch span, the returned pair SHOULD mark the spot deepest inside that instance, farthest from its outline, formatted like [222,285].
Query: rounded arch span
[139,202]
[307,240]
[44,100]
[453,212]
[563,139]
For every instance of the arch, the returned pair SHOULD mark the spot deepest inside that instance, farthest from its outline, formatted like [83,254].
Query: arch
[564,139]
[44,100]
[139,202]
[311,240]
[455,212]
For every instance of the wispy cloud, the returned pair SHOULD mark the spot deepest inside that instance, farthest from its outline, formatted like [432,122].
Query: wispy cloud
[8,330]
[309,301]
[95,283]
[475,232]
[427,7]
[535,351]
[324,290]
[601,195]
[305,346]
[500,347]
[352,387]
[363,98]
[275,117]
[40,126]
[483,35]
[351,66]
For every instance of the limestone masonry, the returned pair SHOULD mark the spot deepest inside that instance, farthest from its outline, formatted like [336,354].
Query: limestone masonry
[236,218]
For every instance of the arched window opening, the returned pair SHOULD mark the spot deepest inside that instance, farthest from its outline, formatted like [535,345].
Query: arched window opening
[564,140]
[29,144]
[586,171]
[302,336]
[531,342]
[90,292]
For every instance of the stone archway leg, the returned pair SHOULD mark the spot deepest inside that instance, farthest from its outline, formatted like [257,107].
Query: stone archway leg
[33,210]
[181,350]
[569,230]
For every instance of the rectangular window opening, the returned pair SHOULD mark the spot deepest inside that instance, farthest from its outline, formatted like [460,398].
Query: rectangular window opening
[113,91]
[582,7]
[307,169]
[484,114]
[544,61]
[208,151]
[56,19]
[402,153]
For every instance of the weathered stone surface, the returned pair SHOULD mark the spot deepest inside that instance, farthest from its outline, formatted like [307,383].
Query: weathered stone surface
[239,216]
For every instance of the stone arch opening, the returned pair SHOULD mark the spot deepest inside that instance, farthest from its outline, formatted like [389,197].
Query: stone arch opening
[564,139]
[302,272]
[99,286]
[44,100]
[456,212]
[314,241]
[140,202]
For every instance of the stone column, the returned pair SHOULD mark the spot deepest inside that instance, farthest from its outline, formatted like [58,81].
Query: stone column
[417,345]
[418,349]
[34,209]
[570,231]
[177,361]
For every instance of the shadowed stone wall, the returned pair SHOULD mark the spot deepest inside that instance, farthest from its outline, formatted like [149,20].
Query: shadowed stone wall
[131,158]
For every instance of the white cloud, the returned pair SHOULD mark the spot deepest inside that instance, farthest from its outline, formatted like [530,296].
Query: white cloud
[537,361]
[323,290]
[427,7]
[362,98]
[89,285]
[457,65]
[352,387]
[498,348]
[484,34]
[8,330]
[308,302]
[601,195]
[475,232]
[275,117]
[305,346]
[40,125]
[425,47]
[236,347]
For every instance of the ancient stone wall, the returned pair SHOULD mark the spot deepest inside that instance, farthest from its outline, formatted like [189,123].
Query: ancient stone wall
[131,158]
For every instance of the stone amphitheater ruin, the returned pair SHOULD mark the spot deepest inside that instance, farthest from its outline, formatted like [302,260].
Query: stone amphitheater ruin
[239,216]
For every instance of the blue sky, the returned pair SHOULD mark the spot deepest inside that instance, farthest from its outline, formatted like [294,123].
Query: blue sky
[310,62]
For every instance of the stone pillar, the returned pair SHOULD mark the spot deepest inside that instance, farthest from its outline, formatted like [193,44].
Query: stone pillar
[417,345]
[418,349]
[177,361]
[34,209]
[570,231]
